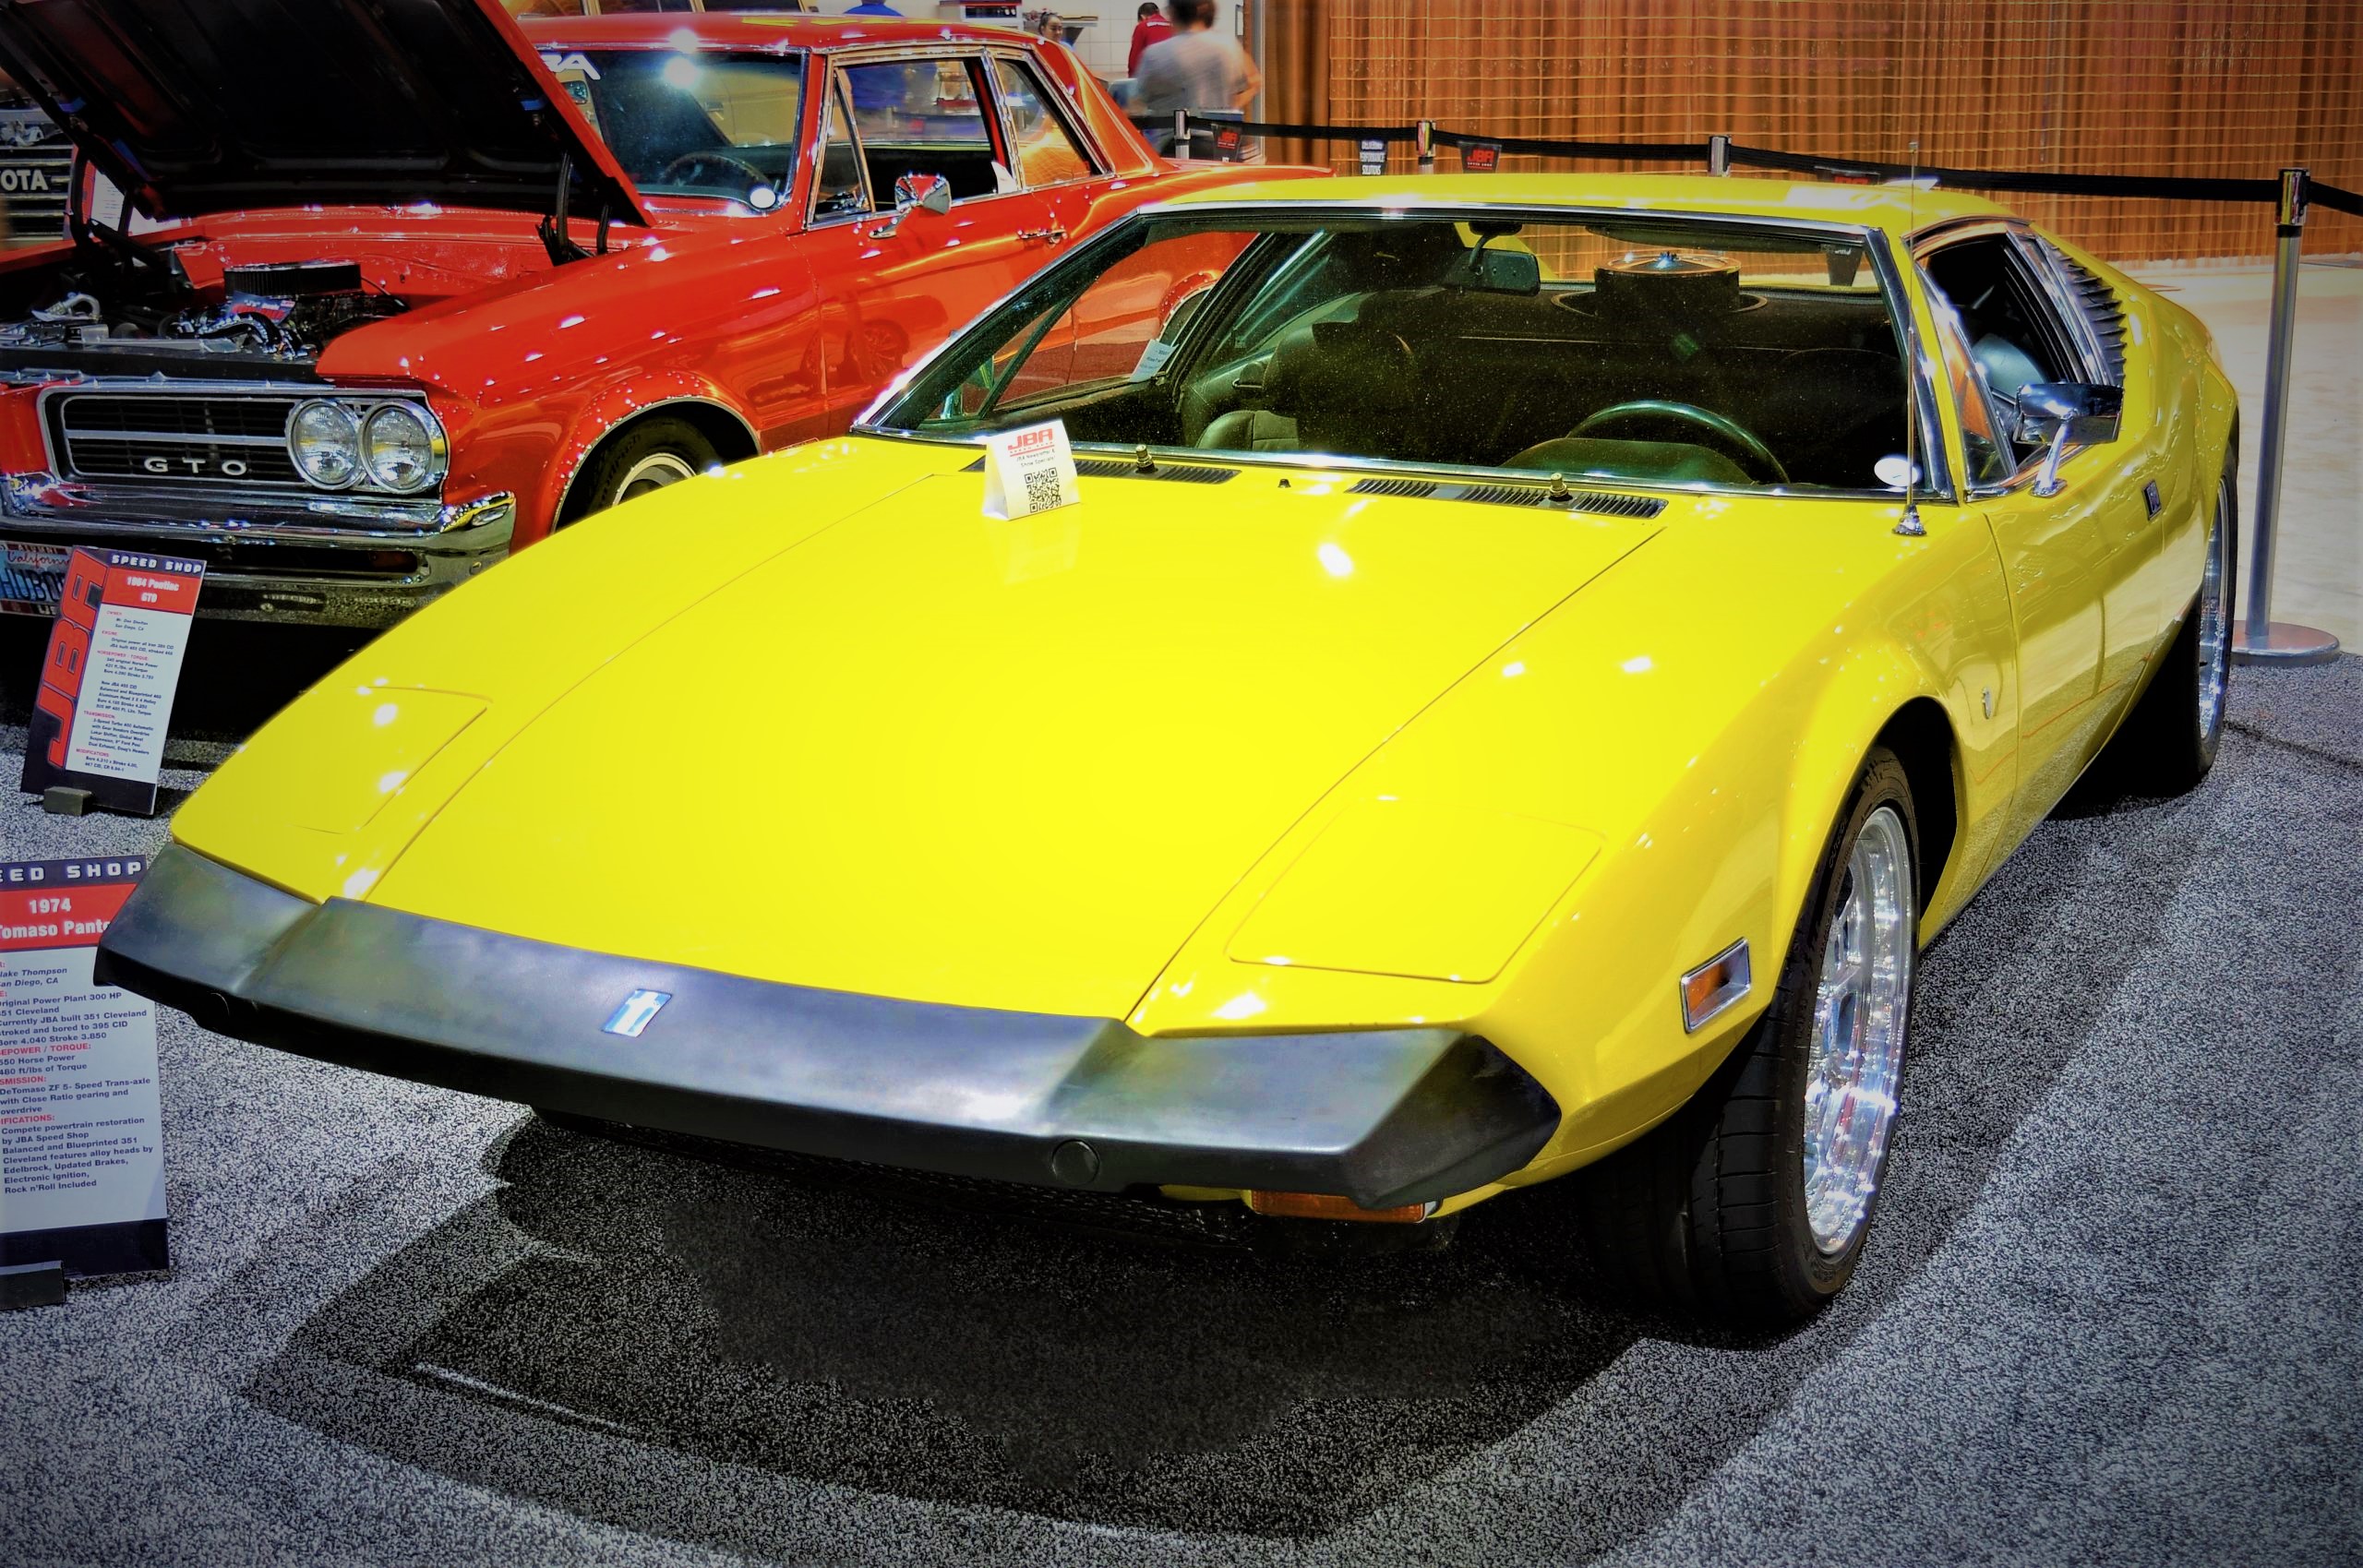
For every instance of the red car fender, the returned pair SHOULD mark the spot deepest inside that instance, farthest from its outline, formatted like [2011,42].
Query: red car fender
[602,416]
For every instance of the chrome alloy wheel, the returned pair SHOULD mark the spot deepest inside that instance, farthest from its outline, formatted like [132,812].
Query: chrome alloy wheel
[1860,1004]
[2215,621]
[653,472]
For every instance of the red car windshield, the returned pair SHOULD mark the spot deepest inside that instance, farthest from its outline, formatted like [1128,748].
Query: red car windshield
[693,124]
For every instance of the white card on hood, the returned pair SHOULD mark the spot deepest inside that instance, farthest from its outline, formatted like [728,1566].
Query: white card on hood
[1029,470]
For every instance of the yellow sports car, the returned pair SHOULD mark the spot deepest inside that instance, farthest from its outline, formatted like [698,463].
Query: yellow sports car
[1532,661]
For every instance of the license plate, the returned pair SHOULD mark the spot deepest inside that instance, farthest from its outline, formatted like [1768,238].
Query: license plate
[32,577]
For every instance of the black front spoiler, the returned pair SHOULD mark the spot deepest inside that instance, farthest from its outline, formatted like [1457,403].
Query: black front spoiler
[1385,1117]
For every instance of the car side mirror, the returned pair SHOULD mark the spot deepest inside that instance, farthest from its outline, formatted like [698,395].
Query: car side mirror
[916,193]
[930,193]
[2066,414]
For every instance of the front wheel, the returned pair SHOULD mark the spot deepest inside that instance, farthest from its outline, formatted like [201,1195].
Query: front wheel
[646,458]
[1751,1203]
[2168,742]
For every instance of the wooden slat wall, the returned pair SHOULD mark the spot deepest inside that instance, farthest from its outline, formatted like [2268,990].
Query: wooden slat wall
[2140,86]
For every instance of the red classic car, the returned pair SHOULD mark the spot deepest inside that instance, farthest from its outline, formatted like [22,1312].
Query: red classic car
[411,285]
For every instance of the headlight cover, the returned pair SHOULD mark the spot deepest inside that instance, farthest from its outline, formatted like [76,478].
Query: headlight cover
[344,443]
[325,440]
[401,449]
[1419,889]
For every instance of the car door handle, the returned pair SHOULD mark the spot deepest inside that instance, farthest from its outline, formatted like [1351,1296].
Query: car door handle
[1054,234]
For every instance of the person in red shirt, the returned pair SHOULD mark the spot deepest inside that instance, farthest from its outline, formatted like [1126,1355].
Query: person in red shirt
[1151,27]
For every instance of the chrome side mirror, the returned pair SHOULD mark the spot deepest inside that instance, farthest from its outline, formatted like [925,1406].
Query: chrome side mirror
[2066,414]
[916,193]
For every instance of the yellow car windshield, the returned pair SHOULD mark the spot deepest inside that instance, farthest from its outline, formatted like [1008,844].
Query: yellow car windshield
[1658,351]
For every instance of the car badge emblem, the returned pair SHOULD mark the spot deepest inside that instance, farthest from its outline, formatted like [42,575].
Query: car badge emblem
[638,1010]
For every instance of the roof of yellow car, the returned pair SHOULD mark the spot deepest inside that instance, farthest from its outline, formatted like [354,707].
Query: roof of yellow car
[1889,206]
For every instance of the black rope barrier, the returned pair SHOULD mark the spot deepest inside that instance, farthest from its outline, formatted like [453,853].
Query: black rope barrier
[1681,152]
[2023,181]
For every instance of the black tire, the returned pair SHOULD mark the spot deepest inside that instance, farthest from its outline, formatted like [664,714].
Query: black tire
[2169,743]
[1706,1218]
[645,457]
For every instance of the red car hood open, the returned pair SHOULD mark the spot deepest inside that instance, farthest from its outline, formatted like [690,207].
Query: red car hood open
[203,106]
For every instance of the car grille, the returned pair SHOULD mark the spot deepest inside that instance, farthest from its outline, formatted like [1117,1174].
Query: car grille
[176,438]
[36,171]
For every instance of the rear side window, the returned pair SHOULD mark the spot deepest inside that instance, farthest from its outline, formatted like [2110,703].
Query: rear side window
[1047,150]
[925,117]
[2012,333]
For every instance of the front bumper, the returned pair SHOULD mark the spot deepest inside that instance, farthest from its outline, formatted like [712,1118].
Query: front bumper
[321,561]
[1383,1116]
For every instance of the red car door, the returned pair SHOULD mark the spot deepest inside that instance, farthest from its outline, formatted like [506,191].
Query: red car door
[894,286]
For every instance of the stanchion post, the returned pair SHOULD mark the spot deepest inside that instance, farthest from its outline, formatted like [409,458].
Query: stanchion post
[1423,136]
[2263,639]
[1181,146]
[1718,155]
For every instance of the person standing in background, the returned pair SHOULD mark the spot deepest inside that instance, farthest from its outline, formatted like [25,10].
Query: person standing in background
[1149,27]
[1196,68]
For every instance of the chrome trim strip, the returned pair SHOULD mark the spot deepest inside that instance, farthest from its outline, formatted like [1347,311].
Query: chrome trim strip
[182,438]
[47,501]
[1936,451]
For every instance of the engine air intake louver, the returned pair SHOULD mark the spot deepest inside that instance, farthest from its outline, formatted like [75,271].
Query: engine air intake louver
[1601,503]
[1181,473]
[1126,468]
[2100,308]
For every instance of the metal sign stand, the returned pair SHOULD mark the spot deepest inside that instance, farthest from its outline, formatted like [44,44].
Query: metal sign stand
[2262,640]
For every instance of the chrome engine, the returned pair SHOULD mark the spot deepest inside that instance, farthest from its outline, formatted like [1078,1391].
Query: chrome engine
[287,310]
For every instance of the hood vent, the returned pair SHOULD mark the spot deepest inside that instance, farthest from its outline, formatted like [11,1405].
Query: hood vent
[1180,472]
[1599,502]
[1124,468]
[1413,489]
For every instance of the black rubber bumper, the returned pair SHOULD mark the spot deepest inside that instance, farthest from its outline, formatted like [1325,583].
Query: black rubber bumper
[1383,1116]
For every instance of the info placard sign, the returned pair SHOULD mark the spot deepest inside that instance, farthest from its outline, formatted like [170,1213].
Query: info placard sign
[1029,470]
[81,1153]
[107,679]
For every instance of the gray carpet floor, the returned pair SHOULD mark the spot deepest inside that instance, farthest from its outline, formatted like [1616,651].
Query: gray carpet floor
[2110,1315]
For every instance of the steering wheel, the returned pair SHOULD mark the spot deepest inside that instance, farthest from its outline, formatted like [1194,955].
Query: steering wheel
[708,155]
[1734,439]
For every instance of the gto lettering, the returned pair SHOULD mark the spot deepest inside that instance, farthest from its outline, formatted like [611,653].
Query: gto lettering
[228,468]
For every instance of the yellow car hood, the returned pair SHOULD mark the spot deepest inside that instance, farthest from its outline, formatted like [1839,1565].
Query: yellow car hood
[936,755]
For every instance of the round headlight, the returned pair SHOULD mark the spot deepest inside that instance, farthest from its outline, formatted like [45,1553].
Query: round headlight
[400,449]
[325,440]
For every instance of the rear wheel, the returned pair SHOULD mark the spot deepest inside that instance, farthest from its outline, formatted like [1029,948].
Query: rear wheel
[645,458]
[1751,1203]
[2170,739]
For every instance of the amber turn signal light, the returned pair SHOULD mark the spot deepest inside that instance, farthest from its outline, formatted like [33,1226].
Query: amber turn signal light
[1714,985]
[1327,1205]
